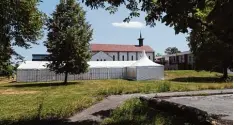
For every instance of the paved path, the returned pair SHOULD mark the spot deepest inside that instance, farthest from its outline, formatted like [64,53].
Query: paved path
[97,111]
[215,104]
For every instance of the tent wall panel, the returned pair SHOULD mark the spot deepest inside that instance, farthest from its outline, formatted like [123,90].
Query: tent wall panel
[150,73]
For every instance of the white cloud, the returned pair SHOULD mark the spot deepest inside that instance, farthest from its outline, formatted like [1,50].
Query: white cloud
[131,24]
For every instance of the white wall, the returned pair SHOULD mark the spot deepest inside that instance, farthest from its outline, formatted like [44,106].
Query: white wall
[151,55]
[101,56]
[127,57]
[132,54]
[121,54]
[113,54]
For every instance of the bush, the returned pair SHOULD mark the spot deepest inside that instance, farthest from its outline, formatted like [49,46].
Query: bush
[163,87]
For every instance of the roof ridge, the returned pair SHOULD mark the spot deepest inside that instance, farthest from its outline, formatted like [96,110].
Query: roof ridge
[117,44]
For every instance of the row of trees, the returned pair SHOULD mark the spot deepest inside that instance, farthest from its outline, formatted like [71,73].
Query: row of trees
[68,34]
[210,22]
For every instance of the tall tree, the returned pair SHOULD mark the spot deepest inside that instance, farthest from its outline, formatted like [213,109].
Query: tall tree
[68,39]
[206,18]
[172,50]
[210,53]
[20,25]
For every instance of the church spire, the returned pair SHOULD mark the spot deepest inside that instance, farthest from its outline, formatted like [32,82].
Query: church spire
[140,40]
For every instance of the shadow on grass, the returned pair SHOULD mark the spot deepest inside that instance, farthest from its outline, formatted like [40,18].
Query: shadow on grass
[200,79]
[46,84]
[103,114]
[49,122]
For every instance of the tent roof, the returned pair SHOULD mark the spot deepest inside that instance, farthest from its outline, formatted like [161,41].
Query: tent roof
[145,61]
[33,65]
[93,64]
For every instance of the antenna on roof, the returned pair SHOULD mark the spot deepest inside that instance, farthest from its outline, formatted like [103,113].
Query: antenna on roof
[140,34]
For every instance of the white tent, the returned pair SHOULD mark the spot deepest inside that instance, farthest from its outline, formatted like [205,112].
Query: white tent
[36,71]
[145,69]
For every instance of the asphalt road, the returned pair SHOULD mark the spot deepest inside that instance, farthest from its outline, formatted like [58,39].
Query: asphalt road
[215,104]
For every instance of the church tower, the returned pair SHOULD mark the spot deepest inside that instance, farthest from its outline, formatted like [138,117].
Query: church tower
[141,40]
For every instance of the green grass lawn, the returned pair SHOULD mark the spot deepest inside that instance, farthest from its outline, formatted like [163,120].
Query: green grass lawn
[27,101]
[137,112]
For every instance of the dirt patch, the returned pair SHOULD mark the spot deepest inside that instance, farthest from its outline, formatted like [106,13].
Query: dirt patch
[13,92]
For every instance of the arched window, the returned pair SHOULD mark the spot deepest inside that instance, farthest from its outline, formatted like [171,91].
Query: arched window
[149,57]
[123,57]
[104,59]
[97,60]
[101,59]
[113,57]
[132,57]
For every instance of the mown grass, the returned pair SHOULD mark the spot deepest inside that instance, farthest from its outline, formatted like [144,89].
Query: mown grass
[56,101]
[136,112]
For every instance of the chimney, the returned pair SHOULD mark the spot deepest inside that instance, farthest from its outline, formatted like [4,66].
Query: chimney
[140,40]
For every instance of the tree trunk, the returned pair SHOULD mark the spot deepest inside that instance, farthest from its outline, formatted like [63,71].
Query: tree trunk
[225,74]
[65,80]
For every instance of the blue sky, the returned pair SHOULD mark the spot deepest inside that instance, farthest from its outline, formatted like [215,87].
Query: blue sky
[110,29]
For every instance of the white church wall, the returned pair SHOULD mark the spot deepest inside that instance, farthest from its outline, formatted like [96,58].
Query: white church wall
[132,56]
[101,56]
[114,55]
[122,56]
[150,55]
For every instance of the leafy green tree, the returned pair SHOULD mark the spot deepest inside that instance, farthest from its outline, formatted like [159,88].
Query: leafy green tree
[210,53]
[172,50]
[20,25]
[206,18]
[179,14]
[158,54]
[68,39]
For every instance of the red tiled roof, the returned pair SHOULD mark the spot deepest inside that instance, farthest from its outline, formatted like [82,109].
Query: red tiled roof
[120,48]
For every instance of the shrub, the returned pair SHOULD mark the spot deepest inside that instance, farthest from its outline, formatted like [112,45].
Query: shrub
[163,87]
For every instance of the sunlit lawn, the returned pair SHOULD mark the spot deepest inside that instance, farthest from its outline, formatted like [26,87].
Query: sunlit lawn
[25,101]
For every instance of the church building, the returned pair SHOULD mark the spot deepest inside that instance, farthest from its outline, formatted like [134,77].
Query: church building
[113,52]
[119,52]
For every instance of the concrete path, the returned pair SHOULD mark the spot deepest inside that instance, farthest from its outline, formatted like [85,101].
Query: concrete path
[215,104]
[98,111]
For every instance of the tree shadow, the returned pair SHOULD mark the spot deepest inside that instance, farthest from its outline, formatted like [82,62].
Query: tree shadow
[45,84]
[104,113]
[199,79]
[49,122]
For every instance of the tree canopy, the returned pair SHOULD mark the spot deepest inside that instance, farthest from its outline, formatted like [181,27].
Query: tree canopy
[172,50]
[208,20]
[68,39]
[20,25]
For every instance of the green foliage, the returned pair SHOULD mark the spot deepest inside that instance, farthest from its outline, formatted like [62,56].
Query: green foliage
[208,19]
[210,53]
[164,87]
[137,112]
[132,111]
[8,71]
[171,50]
[20,25]
[68,39]
[158,54]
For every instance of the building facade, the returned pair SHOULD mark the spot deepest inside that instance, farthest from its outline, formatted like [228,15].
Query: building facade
[178,61]
[113,52]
